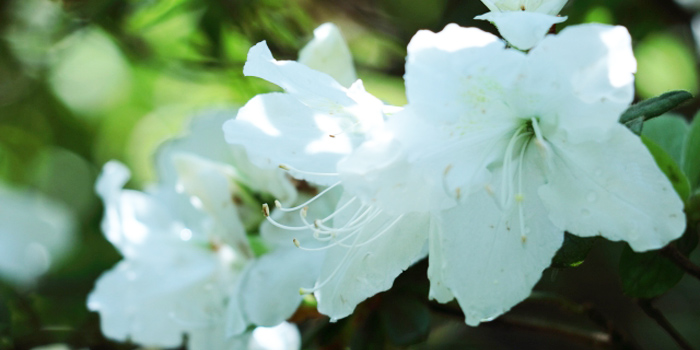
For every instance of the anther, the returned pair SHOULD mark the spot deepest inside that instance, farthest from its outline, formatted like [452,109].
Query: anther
[519,197]
[296,243]
[317,223]
[304,210]
[284,166]
[278,205]
[523,238]
[266,209]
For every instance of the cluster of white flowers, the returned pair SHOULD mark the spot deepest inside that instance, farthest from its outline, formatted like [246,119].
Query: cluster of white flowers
[502,147]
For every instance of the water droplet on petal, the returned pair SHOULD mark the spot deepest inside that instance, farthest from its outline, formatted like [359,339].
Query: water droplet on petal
[592,197]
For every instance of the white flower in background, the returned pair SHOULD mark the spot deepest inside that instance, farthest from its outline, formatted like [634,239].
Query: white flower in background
[34,232]
[180,262]
[528,146]
[329,53]
[188,267]
[523,23]
[310,129]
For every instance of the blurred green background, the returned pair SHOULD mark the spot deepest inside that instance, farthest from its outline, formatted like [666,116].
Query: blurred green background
[86,81]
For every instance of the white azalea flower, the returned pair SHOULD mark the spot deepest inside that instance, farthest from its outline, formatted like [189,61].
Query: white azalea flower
[34,231]
[188,267]
[528,146]
[309,130]
[523,23]
[181,260]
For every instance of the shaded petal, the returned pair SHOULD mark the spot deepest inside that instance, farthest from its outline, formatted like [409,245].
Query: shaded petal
[370,262]
[522,29]
[612,188]
[269,292]
[490,258]
[379,172]
[328,53]
[277,129]
[154,304]
[205,138]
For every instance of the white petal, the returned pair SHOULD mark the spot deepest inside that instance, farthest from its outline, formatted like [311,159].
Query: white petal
[205,138]
[311,87]
[595,66]
[452,75]
[210,183]
[284,336]
[270,287]
[615,189]
[277,129]
[328,53]
[522,29]
[143,304]
[379,172]
[490,258]
[377,255]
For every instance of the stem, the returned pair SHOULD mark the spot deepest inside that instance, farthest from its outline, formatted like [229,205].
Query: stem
[682,261]
[656,315]
[587,309]
[593,338]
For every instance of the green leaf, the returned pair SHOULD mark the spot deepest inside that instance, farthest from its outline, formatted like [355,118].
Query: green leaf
[653,107]
[635,125]
[670,132]
[406,319]
[650,274]
[647,275]
[691,153]
[573,251]
[670,168]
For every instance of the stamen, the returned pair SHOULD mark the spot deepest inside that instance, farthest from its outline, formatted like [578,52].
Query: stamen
[266,210]
[296,243]
[290,168]
[330,277]
[508,159]
[314,198]
[278,204]
[378,235]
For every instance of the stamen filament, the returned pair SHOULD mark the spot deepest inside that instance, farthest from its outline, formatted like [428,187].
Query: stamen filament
[290,168]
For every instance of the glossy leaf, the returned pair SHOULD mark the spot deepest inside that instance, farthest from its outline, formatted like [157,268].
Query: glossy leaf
[653,107]
[670,132]
[573,251]
[691,154]
[670,168]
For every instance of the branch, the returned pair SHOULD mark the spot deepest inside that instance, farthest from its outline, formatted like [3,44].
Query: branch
[682,261]
[592,338]
[587,309]
[657,316]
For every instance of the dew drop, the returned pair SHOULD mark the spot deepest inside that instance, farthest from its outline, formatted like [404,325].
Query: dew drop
[592,197]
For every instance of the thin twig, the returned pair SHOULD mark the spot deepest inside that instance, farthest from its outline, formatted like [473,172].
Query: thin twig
[587,309]
[657,316]
[682,261]
[593,338]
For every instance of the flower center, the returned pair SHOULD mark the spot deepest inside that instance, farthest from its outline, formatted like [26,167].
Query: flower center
[346,233]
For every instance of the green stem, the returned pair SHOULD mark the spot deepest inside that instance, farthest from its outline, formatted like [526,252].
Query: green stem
[656,315]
